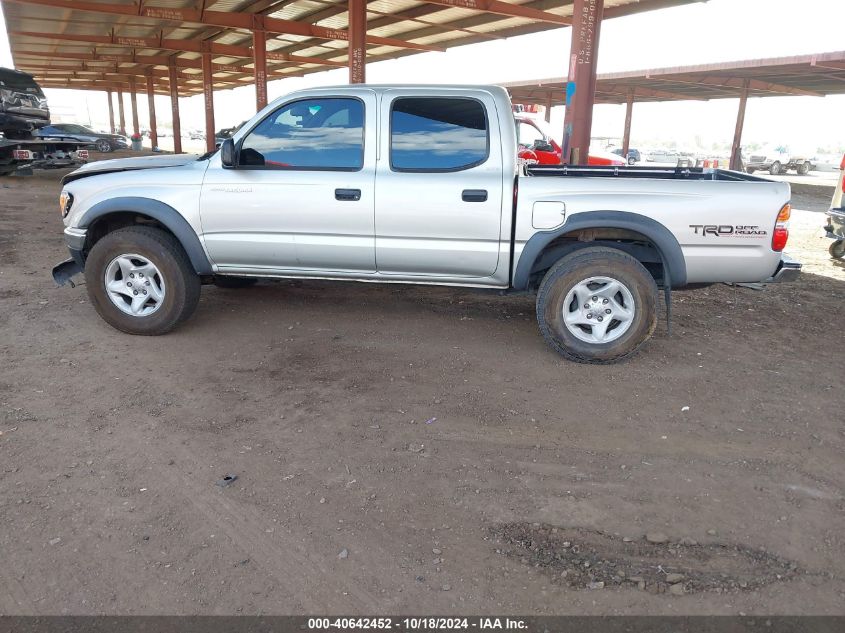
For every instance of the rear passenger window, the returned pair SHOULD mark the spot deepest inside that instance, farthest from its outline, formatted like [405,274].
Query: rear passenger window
[437,134]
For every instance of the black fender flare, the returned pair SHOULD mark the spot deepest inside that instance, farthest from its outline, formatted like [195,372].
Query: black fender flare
[662,238]
[161,212]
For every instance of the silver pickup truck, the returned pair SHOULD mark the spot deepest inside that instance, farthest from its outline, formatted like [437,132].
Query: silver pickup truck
[415,184]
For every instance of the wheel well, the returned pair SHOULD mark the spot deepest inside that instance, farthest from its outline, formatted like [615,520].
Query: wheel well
[110,222]
[635,244]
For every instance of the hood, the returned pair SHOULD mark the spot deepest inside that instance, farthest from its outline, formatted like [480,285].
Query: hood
[129,164]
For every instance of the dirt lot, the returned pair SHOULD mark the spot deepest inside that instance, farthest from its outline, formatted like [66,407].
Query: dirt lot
[414,450]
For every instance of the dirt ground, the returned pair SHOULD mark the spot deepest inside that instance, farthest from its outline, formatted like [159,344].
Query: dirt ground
[414,450]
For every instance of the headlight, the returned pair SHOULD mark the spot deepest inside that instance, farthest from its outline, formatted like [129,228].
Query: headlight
[65,203]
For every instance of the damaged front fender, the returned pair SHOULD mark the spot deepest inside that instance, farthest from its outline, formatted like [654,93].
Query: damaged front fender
[63,272]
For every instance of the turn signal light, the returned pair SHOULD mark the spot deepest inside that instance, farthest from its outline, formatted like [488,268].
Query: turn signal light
[779,238]
[785,212]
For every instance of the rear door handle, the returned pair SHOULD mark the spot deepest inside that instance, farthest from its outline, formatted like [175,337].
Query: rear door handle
[351,195]
[474,195]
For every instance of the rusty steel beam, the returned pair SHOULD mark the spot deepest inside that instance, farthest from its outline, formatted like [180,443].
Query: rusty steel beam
[736,146]
[586,28]
[133,99]
[120,112]
[357,46]
[629,115]
[247,21]
[151,105]
[176,122]
[259,64]
[504,8]
[208,94]
[192,46]
[111,111]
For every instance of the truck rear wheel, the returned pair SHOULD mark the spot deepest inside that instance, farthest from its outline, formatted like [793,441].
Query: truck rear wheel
[803,169]
[140,281]
[775,169]
[837,249]
[597,305]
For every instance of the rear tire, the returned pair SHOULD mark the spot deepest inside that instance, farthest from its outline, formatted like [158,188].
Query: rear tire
[588,283]
[170,280]
[775,169]
[837,249]
[104,146]
[803,169]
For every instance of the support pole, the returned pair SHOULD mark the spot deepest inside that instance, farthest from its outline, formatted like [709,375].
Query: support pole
[133,97]
[111,111]
[549,109]
[626,135]
[259,62]
[120,113]
[208,92]
[151,104]
[176,124]
[581,90]
[357,41]
[736,147]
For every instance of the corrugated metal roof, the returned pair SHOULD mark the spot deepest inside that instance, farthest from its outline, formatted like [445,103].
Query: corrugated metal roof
[73,38]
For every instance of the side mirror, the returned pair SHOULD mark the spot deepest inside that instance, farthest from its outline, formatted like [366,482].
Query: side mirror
[227,154]
[543,146]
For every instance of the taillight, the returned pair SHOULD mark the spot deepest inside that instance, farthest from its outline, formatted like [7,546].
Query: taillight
[781,233]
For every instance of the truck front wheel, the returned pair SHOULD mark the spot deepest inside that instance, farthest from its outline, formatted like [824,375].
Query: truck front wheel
[597,305]
[140,281]
[776,168]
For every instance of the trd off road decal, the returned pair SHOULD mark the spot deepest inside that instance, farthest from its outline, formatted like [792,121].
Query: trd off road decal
[729,230]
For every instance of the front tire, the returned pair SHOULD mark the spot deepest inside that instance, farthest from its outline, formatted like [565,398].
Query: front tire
[837,249]
[803,169]
[104,146]
[597,305]
[140,281]
[775,169]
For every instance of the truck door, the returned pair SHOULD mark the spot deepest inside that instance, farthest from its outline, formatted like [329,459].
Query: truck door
[440,183]
[301,196]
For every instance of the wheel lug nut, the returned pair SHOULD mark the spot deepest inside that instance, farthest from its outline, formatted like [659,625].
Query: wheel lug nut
[144,292]
[601,318]
[586,306]
[147,283]
[604,300]
[595,298]
[129,283]
[132,275]
[134,292]
[607,311]
[590,315]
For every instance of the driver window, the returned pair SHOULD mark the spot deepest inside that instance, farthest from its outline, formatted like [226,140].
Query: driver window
[308,134]
[529,135]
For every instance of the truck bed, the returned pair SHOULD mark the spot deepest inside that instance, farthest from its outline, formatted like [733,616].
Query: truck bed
[661,173]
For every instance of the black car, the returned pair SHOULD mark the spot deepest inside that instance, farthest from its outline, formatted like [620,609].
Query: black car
[23,106]
[73,132]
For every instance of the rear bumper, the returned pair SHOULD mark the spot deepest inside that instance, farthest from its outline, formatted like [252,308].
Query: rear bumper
[835,228]
[788,270]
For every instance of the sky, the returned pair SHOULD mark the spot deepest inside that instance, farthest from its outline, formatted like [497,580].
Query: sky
[705,32]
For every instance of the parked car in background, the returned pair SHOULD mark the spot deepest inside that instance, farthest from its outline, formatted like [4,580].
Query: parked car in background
[226,132]
[537,147]
[23,106]
[777,160]
[836,216]
[634,156]
[74,132]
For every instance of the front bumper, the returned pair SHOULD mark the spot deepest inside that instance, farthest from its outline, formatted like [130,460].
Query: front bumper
[835,228]
[788,270]
[63,271]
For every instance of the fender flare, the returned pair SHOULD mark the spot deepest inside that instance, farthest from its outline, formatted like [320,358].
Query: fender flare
[163,213]
[662,238]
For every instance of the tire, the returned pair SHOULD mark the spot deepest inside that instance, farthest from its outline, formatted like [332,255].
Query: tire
[174,278]
[750,170]
[235,282]
[631,161]
[566,280]
[837,249]
[776,168]
[803,169]
[104,146]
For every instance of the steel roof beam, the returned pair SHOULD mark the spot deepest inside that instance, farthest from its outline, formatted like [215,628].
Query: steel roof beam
[503,8]
[248,21]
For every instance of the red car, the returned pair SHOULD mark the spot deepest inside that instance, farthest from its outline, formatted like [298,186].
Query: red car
[536,146]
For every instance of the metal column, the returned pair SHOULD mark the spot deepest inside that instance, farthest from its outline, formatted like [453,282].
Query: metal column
[259,62]
[120,113]
[549,109]
[626,135]
[111,111]
[151,103]
[736,147]
[174,108]
[208,93]
[133,98]
[357,41]
[581,90]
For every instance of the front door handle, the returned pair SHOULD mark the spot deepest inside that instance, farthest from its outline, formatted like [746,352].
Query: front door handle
[474,195]
[351,195]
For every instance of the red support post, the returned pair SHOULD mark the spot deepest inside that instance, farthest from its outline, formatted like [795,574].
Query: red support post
[120,113]
[581,90]
[151,104]
[629,113]
[736,147]
[111,111]
[357,41]
[208,93]
[133,97]
[174,108]
[259,63]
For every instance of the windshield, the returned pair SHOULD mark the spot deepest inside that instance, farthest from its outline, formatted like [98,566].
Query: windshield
[19,82]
